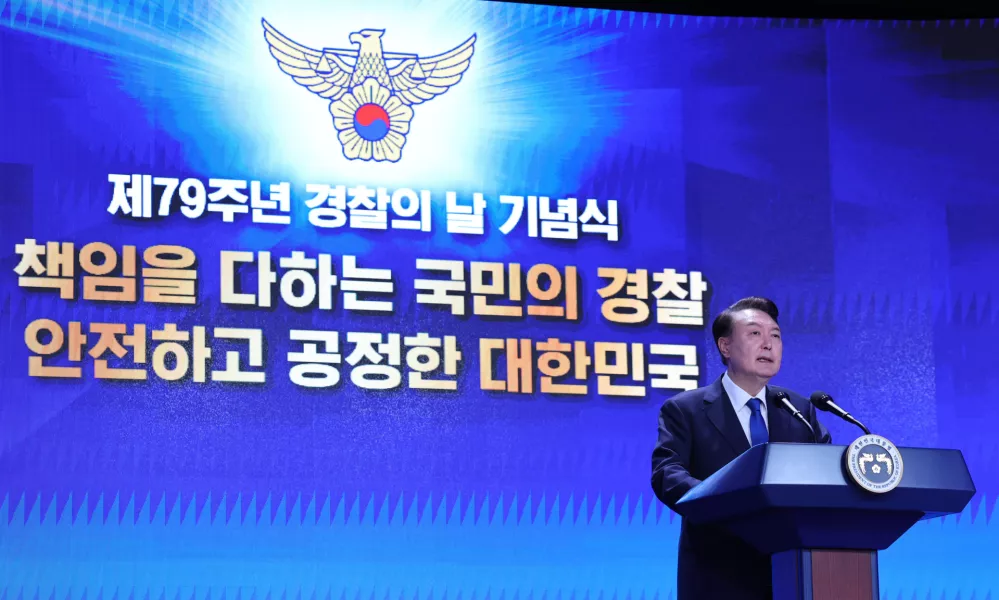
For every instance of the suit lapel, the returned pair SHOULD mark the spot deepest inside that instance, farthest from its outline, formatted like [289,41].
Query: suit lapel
[718,408]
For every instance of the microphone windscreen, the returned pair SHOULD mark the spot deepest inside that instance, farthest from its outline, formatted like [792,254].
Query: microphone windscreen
[820,400]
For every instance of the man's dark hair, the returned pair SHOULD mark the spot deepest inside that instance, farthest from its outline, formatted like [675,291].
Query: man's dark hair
[722,327]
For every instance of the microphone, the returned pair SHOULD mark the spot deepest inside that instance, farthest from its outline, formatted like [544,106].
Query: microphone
[824,401]
[786,404]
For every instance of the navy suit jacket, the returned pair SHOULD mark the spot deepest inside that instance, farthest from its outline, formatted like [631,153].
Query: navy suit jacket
[699,433]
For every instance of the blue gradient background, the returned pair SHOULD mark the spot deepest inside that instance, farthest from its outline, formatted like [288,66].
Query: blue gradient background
[846,170]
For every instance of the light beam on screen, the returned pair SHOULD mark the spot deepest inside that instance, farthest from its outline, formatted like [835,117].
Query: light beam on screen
[444,139]
[209,80]
[508,94]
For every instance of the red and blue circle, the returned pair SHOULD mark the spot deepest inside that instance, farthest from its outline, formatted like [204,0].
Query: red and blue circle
[371,122]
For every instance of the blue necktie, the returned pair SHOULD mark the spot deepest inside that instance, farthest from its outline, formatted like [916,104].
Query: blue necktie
[757,428]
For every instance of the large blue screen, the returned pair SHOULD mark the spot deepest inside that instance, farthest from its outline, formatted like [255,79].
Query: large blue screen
[341,300]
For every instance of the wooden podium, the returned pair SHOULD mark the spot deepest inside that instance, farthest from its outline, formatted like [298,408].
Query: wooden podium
[800,504]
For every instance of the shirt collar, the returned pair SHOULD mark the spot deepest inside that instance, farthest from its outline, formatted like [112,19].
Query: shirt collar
[739,396]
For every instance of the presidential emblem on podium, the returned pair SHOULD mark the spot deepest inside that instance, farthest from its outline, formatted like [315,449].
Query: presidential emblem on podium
[874,463]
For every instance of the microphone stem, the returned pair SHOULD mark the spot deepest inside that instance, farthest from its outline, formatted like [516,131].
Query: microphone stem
[809,426]
[804,420]
[857,423]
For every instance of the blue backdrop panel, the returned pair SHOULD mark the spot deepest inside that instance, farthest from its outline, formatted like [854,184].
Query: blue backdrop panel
[845,170]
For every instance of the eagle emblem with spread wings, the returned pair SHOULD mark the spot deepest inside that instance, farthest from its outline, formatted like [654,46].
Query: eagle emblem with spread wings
[371,92]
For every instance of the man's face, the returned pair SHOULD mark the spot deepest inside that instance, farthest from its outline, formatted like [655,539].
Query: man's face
[754,348]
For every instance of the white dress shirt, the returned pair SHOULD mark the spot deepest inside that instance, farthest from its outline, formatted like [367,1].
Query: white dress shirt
[740,402]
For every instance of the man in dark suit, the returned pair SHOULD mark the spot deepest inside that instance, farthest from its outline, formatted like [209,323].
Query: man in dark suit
[702,430]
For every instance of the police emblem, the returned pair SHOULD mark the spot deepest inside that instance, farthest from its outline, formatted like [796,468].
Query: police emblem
[371,92]
[874,463]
